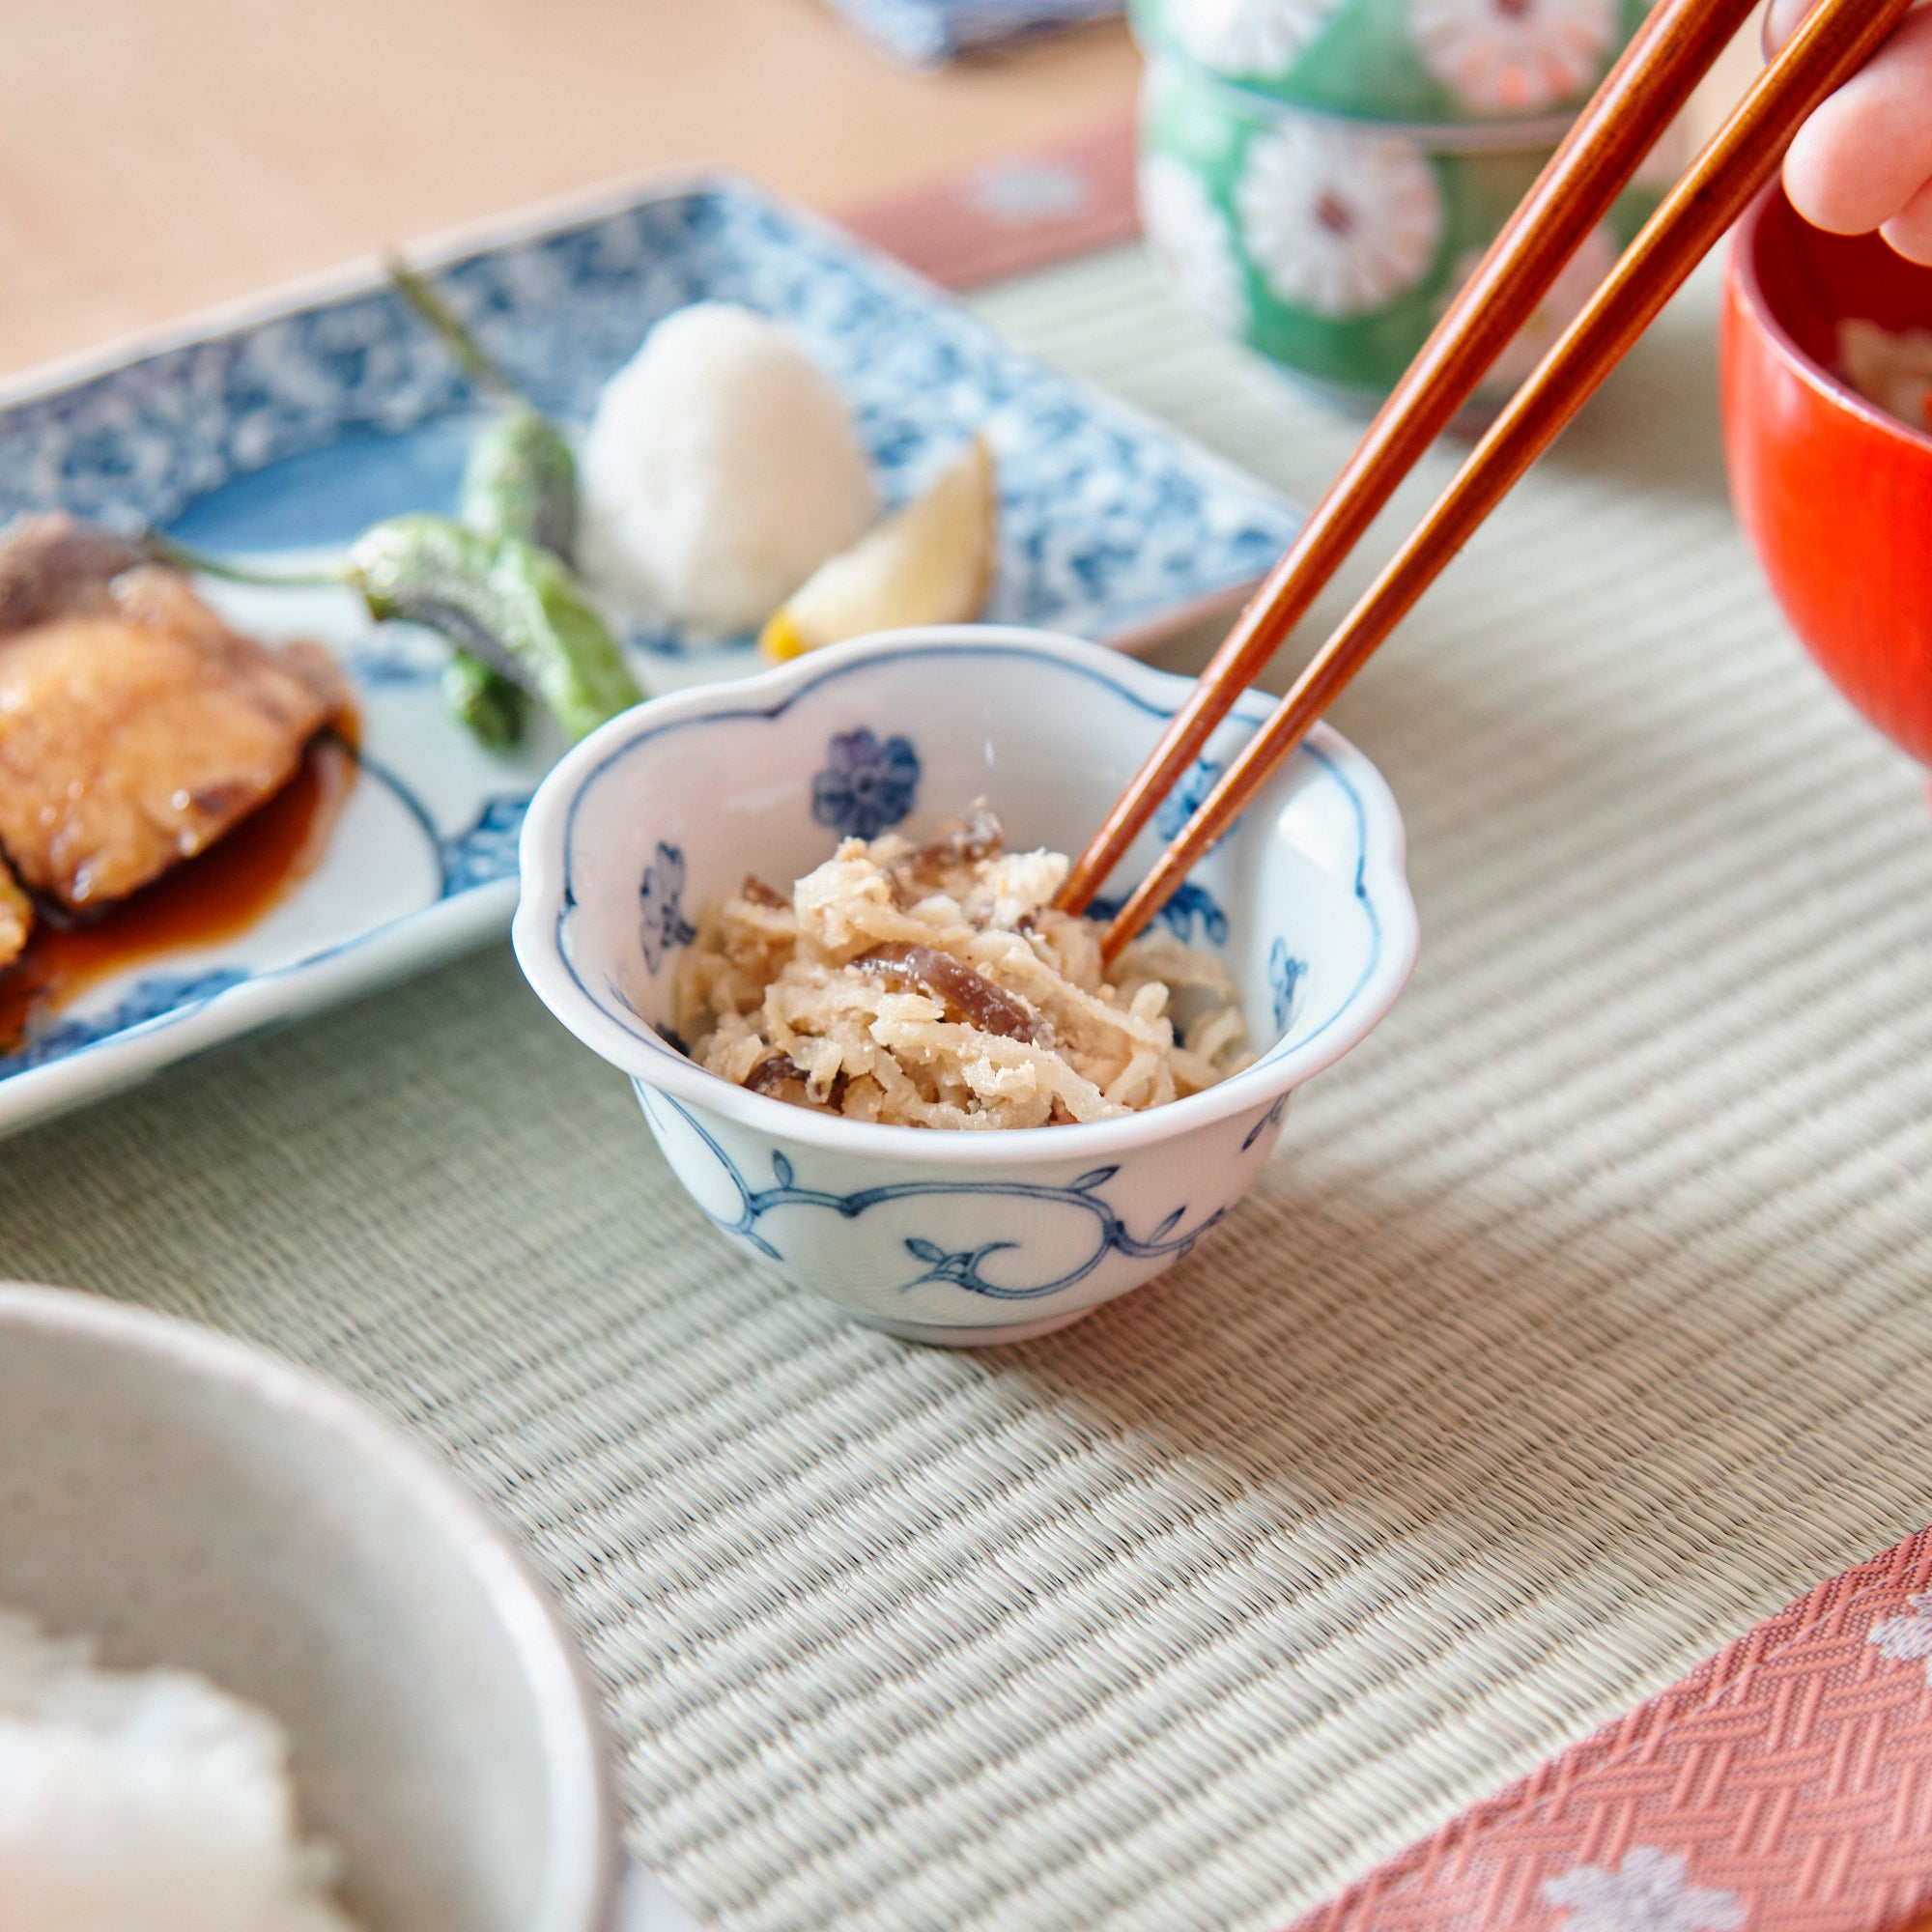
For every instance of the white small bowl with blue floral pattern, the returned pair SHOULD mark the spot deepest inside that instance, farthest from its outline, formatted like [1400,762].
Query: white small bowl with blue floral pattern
[954,1237]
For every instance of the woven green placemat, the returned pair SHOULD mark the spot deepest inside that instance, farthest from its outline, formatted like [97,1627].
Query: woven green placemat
[1585,1316]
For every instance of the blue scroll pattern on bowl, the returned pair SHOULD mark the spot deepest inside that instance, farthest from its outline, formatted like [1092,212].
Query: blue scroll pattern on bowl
[963,1268]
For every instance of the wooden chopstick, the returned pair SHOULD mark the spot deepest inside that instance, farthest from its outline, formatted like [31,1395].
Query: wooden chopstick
[1629,113]
[1834,41]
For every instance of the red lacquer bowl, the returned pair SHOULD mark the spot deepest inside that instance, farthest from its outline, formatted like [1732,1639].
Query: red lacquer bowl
[1836,495]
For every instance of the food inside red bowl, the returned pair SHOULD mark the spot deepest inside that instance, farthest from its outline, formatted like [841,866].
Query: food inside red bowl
[1891,367]
[1832,486]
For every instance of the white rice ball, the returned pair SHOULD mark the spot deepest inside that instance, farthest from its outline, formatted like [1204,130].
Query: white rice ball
[721,471]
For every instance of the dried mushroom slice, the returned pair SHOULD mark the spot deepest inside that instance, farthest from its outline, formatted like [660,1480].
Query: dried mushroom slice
[988,1006]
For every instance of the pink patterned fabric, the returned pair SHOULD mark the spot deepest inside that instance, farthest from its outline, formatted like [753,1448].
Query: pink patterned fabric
[1015,213]
[1784,1786]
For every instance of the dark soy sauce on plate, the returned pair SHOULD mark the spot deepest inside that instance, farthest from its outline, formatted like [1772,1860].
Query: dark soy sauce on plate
[212,896]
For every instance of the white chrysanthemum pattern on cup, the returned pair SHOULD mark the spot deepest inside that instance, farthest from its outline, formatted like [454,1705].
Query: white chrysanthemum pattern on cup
[1907,1638]
[1248,37]
[1562,303]
[1338,222]
[1649,1891]
[1513,56]
[1192,241]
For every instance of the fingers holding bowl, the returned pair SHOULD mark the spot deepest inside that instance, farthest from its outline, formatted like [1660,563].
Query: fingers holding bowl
[1863,161]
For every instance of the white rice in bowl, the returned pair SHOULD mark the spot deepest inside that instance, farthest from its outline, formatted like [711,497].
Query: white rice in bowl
[145,1800]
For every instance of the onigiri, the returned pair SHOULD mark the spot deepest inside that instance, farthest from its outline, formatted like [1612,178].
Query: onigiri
[720,470]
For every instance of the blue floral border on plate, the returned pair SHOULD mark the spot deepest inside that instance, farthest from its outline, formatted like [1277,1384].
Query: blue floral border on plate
[1109,519]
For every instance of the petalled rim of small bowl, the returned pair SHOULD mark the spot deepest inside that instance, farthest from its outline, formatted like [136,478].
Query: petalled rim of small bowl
[1748,285]
[580,1864]
[538,929]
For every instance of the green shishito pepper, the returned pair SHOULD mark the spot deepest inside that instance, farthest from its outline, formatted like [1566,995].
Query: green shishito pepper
[511,604]
[486,703]
[496,584]
[519,481]
[513,610]
[521,478]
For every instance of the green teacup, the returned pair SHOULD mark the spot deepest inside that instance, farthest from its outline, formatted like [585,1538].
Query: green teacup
[1428,61]
[1332,246]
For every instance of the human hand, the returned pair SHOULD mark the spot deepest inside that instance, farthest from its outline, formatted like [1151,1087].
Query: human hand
[1863,161]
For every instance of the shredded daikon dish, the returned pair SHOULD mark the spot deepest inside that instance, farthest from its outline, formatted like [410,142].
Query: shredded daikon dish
[934,985]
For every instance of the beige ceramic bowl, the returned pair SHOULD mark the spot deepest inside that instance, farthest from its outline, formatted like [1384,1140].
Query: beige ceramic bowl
[191,1500]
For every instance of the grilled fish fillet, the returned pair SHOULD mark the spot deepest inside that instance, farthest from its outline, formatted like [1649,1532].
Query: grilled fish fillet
[17,917]
[135,726]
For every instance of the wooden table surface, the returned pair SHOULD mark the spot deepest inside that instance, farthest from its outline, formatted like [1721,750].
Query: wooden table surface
[156,158]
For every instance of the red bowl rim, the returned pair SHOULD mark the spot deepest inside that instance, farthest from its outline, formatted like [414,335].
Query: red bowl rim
[1748,290]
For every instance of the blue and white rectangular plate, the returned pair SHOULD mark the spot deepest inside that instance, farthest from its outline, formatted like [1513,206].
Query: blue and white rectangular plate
[283,431]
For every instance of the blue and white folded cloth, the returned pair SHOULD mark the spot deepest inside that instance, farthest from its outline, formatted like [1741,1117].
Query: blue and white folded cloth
[926,33]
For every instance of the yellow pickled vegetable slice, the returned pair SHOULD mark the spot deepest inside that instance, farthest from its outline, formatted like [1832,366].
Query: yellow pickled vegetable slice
[930,562]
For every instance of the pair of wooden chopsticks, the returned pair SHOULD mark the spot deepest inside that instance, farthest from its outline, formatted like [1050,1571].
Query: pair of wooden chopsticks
[1631,112]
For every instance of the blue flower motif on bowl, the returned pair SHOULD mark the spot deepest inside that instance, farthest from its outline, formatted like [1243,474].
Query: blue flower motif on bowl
[663,924]
[1190,902]
[1187,798]
[867,785]
[1285,974]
